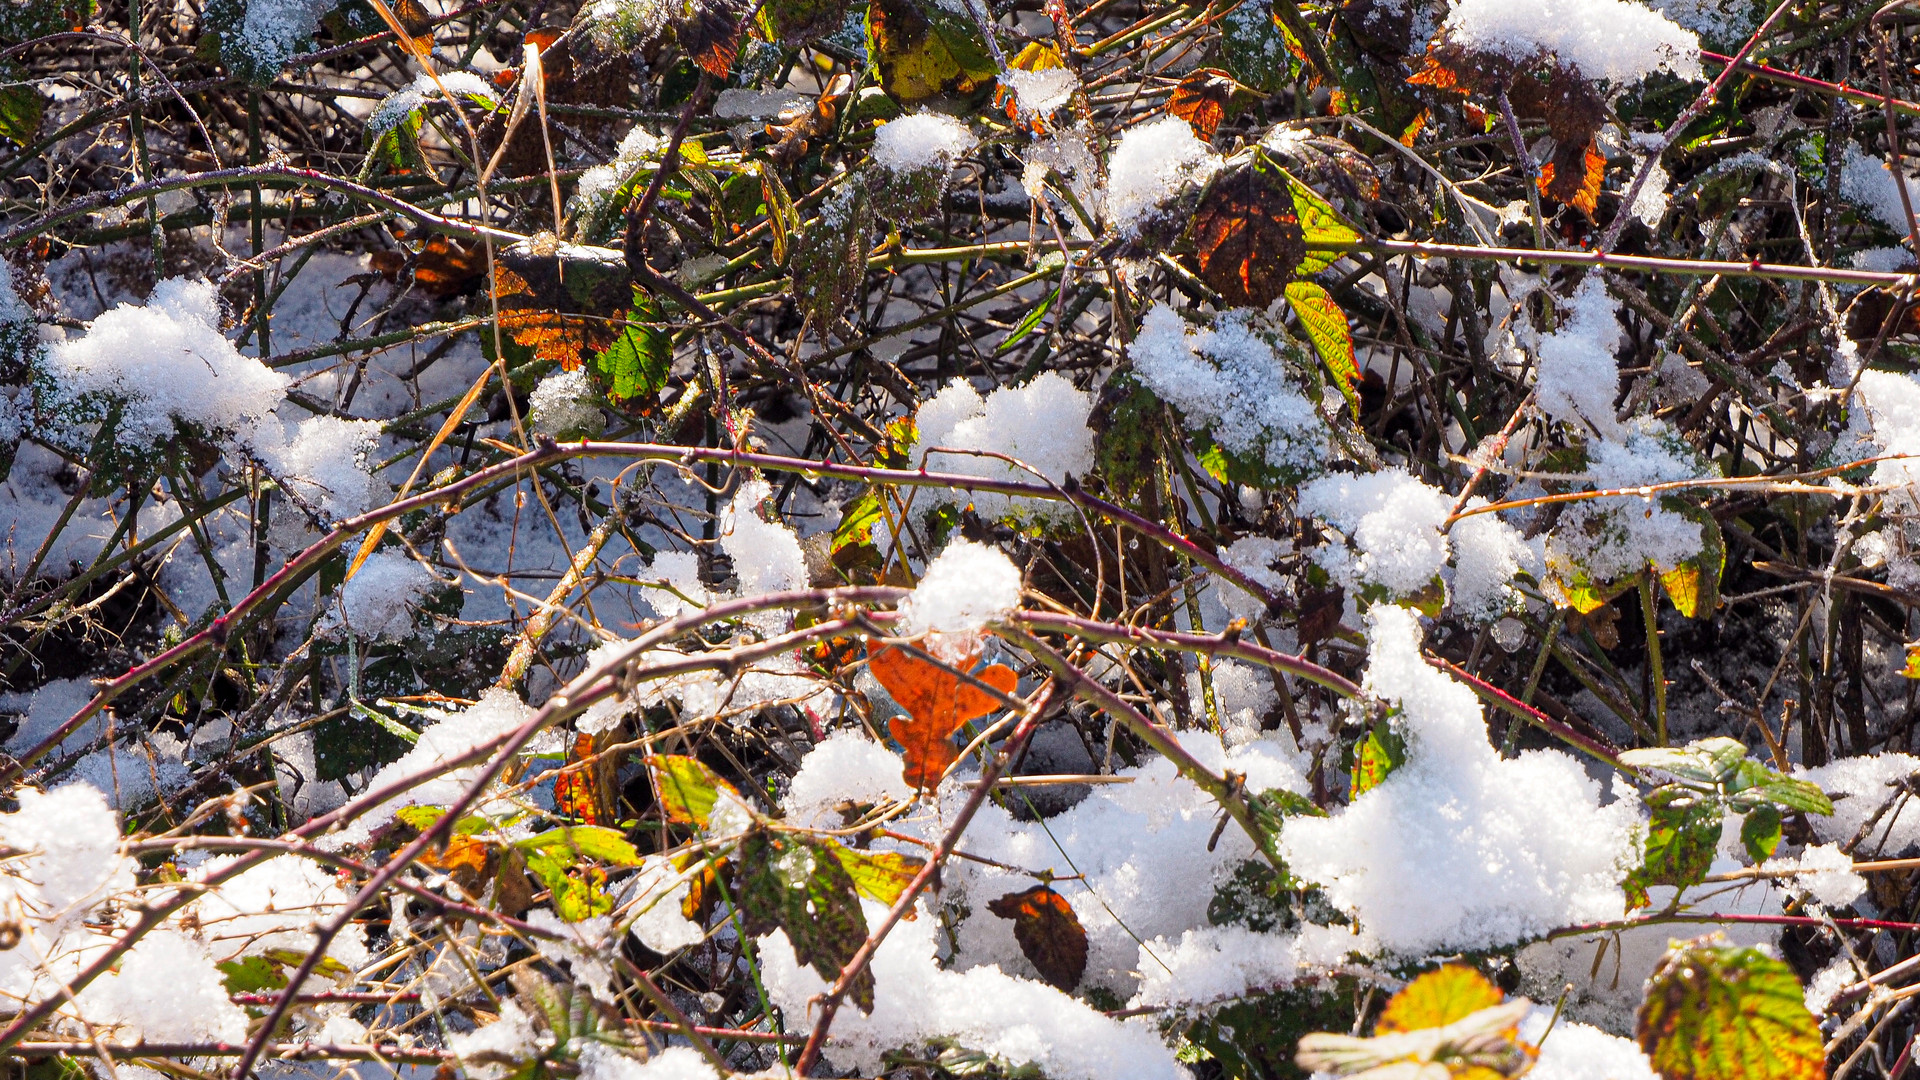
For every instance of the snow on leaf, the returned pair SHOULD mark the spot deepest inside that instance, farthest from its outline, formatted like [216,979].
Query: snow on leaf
[1715,1011]
[1049,933]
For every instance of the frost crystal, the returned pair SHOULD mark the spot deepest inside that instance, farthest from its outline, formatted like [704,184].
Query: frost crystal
[1869,181]
[1042,424]
[1152,164]
[397,105]
[564,403]
[1231,380]
[1606,39]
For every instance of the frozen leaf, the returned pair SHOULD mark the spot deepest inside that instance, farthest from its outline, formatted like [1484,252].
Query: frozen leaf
[924,50]
[1438,998]
[1713,1011]
[1049,933]
[1326,325]
[938,703]
[789,882]
[688,789]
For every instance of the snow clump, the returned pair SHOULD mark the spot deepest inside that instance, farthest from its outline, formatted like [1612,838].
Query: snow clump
[968,586]
[1606,39]
[169,363]
[377,603]
[922,141]
[1042,424]
[565,402]
[1153,163]
[1038,94]
[1460,848]
[1231,380]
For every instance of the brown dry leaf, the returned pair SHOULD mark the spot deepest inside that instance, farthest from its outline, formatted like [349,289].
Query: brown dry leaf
[1247,234]
[417,21]
[444,267]
[465,859]
[937,703]
[1049,933]
[790,139]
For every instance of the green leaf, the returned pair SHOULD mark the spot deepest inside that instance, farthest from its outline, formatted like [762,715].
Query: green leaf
[1030,322]
[1760,832]
[880,876]
[639,360]
[1321,227]
[688,789]
[1708,761]
[1253,48]
[21,107]
[791,883]
[1325,323]
[924,49]
[251,974]
[1792,794]
[576,842]
[1715,1012]
[857,522]
[1376,756]
[1681,837]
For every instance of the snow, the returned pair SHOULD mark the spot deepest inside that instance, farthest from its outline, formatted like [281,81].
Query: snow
[273,906]
[844,767]
[650,900]
[923,140]
[169,363]
[1869,181]
[966,587]
[565,403]
[1212,963]
[1153,163]
[451,735]
[982,1009]
[1606,39]
[1042,424]
[1393,522]
[735,103]
[377,603]
[396,106]
[1578,377]
[1891,404]
[1576,1051]
[1488,553]
[1460,848]
[486,1053]
[1860,786]
[766,554]
[1827,983]
[166,990]
[1038,94]
[598,184]
[1606,539]
[1230,379]
[323,461]
[599,1061]
[273,30]
[46,708]
[1826,876]
[1255,557]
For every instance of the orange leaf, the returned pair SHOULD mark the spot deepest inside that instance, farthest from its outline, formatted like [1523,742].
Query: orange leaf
[937,702]
[1247,236]
[1578,185]
[1201,100]
[574,793]
[1049,934]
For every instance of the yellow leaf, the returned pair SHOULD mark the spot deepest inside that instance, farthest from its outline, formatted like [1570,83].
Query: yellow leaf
[1326,326]
[923,50]
[1683,588]
[1437,999]
[880,876]
[1912,670]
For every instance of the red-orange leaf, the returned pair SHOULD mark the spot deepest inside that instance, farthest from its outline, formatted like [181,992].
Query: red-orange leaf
[1573,177]
[1049,934]
[1246,234]
[937,703]
[573,788]
[1201,99]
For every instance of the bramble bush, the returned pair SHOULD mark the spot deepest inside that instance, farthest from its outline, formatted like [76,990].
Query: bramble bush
[663,539]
